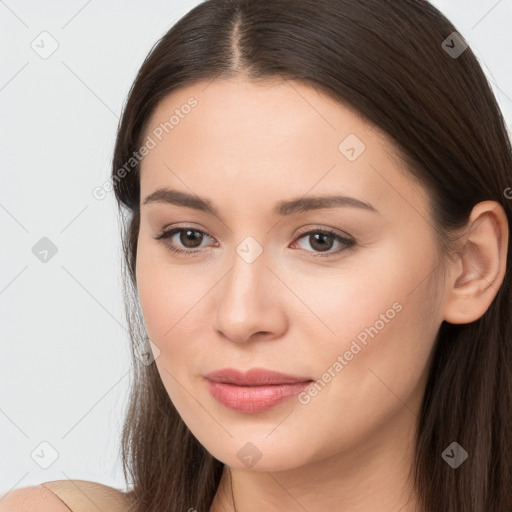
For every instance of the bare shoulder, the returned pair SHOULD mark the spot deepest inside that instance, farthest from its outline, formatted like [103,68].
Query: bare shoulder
[34,498]
[65,496]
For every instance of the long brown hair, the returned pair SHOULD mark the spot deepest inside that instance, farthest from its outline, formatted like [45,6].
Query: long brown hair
[387,60]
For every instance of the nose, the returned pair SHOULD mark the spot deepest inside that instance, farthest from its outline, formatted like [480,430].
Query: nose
[250,302]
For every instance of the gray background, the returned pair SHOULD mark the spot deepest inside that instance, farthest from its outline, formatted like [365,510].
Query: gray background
[64,364]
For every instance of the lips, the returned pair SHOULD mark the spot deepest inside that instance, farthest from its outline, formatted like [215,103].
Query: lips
[253,377]
[255,390]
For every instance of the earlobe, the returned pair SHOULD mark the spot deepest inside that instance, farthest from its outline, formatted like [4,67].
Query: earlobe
[477,276]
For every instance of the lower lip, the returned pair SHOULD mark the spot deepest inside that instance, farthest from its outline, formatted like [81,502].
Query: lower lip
[254,398]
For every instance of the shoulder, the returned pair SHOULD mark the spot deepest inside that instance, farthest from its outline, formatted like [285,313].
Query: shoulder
[35,498]
[65,496]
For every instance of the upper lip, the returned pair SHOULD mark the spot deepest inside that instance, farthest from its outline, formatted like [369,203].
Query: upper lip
[253,377]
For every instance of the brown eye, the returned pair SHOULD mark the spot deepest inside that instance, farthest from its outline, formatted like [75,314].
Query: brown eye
[323,240]
[190,238]
[188,242]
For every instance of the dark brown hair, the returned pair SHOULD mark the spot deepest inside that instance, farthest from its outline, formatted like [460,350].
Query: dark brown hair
[385,59]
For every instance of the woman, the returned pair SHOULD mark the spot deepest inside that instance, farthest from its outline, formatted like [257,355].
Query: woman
[318,276]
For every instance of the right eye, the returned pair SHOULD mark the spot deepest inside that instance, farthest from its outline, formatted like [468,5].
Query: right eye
[187,235]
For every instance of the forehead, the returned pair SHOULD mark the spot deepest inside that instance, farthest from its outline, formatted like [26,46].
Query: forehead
[269,139]
[269,116]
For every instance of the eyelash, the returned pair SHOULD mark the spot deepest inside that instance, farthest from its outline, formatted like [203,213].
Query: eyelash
[349,243]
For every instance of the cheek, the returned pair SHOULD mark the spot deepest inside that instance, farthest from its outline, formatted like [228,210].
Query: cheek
[162,288]
[382,377]
[173,300]
[170,306]
[387,293]
[167,301]
[174,313]
[373,327]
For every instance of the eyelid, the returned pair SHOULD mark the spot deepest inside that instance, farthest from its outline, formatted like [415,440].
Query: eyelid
[317,227]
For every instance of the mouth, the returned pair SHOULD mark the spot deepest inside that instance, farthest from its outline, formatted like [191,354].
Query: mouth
[253,377]
[253,391]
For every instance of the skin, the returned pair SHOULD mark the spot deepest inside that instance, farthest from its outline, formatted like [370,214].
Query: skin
[245,147]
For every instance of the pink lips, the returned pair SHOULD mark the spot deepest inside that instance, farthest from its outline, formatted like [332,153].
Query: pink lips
[255,390]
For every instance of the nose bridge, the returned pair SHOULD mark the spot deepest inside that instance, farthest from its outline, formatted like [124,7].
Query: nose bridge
[247,302]
[249,273]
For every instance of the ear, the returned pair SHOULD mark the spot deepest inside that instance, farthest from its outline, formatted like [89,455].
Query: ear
[475,278]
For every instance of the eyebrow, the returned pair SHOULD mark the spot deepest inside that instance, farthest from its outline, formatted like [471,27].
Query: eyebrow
[282,208]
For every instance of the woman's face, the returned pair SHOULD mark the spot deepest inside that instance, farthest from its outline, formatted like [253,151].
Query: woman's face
[265,285]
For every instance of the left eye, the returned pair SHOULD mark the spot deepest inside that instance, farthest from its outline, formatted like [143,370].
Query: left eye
[321,240]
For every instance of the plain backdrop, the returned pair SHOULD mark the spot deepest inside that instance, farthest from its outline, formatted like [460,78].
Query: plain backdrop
[64,359]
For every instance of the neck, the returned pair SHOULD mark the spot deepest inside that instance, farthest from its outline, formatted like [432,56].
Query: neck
[373,474]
